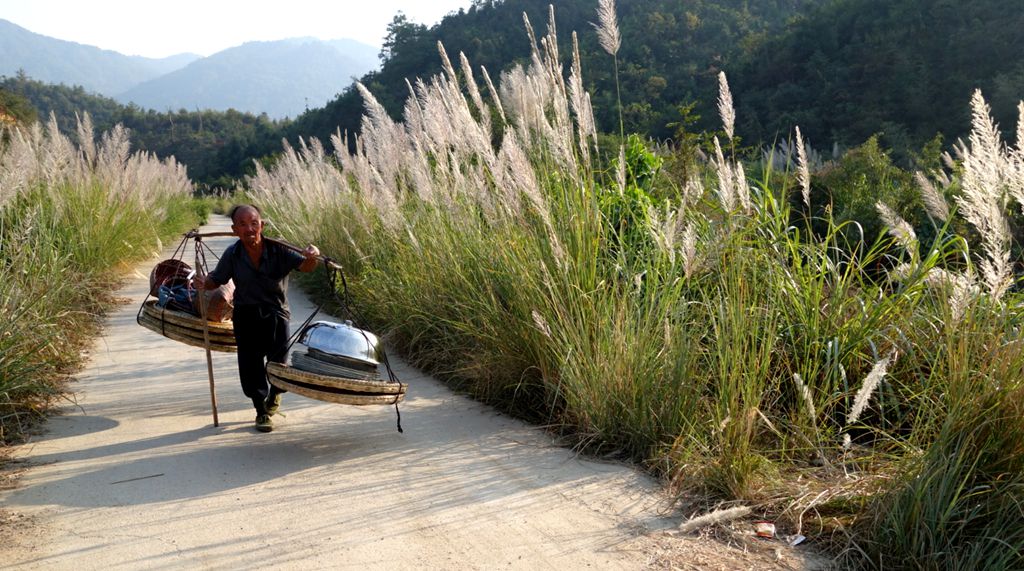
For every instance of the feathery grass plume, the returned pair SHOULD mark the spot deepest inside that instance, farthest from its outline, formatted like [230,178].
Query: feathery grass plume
[354,164]
[715,517]
[610,40]
[693,189]
[515,175]
[446,63]
[607,27]
[665,228]
[1020,129]
[550,42]
[741,186]
[541,323]
[494,94]
[948,160]
[805,394]
[984,196]
[1015,160]
[620,170]
[726,186]
[688,248]
[474,92]
[418,166]
[934,203]
[898,227]
[580,101]
[803,172]
[725,107]
[382,140]
[962,288]
[86,140]
[867,388]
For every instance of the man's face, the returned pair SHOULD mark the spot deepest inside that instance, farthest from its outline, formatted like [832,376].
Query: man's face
[248,226]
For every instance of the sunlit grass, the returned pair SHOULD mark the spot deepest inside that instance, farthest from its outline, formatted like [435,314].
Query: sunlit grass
[71,218]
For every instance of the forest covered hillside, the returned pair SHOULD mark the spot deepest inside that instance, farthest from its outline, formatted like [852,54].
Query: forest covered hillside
[670,56]
[904,69]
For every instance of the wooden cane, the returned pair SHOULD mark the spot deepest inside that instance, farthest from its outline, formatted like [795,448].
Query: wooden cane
[206,332]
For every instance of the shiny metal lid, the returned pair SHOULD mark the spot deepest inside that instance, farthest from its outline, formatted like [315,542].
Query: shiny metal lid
[342,340]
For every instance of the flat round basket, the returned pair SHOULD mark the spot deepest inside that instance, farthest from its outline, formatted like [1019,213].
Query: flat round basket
[336,396]
[224,338]
[185,319]
[334,389]
[177,334]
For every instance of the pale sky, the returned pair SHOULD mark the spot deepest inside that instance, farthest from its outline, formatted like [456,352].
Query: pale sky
[160,29]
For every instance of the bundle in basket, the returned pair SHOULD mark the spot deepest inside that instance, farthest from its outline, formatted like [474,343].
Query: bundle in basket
[338,366]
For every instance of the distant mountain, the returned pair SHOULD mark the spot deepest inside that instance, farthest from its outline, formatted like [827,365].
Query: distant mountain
[281,78]
[58,61]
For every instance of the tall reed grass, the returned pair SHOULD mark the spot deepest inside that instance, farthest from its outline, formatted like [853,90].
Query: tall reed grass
[71,217]
[710,329]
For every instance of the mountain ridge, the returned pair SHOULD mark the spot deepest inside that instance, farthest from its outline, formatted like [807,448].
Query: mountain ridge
[279,77]
[61,61]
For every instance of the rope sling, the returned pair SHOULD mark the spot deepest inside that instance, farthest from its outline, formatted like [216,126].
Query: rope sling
[215,336]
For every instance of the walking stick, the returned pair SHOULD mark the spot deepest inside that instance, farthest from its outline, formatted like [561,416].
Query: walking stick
[206,330]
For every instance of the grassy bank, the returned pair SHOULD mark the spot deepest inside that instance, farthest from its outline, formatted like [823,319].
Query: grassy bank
[73,218]
[727,329]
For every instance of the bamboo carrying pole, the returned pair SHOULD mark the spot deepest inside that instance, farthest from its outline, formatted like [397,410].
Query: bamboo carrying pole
[199,236]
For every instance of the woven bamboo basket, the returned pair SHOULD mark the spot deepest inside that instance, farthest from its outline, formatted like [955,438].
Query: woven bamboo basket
[335,389]
[186,336]
[185,319]
[188,329]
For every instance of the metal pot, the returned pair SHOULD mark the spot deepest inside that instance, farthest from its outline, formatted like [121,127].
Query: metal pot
[342,340]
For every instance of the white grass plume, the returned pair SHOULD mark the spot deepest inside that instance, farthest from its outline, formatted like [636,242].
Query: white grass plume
[725,107]
[494,94]
[934,203]
[898,227]
[805,394]
[867,388]
[715,517]
[726,185]
[984,196]
[688,248]
[803,172]
[608,27]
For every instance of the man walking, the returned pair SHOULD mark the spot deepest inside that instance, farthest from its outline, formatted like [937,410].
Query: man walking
[260,272]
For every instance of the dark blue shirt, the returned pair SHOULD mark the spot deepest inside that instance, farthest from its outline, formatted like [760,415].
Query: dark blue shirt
[264,286]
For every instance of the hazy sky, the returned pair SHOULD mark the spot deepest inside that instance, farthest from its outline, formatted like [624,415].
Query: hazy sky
[159,29]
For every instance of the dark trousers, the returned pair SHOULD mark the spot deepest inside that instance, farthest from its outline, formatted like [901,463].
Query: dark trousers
[262,335]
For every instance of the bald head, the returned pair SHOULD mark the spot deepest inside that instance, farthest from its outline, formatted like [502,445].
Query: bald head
[247,224]
[243,209]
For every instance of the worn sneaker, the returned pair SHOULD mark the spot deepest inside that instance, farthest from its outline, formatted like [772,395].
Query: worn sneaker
[263,423]
[273,403]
